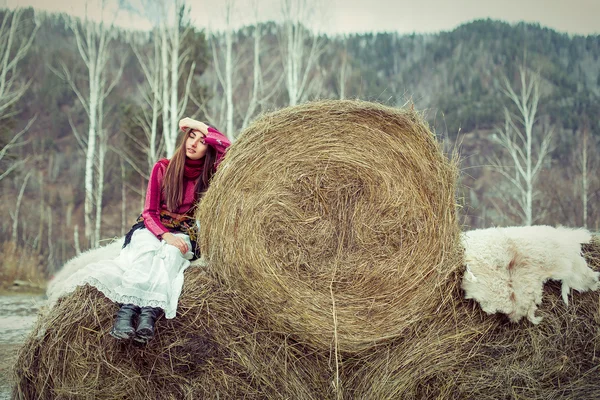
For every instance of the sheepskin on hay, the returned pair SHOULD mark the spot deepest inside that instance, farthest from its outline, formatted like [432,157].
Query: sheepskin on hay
[506,268]
[213,349]
[336,219]
[56,287]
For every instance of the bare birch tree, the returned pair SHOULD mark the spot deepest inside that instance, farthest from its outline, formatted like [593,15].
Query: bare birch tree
[249,98]
[93,43]
[298,60]
[584,177]
[223,113]
[344,70]
[13,48]
[257,78]
[123,197]
[151,94]
[98,196]
[15,215]
[229,69]
[527,149]
[164,70]
[13,143]
[584,166]
[261,91]
[172,57]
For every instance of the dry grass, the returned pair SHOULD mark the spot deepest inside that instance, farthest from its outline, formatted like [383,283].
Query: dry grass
[20,264]
[337,220]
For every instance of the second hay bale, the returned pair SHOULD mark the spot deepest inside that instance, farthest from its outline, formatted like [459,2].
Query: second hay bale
[464,353]
[337,219]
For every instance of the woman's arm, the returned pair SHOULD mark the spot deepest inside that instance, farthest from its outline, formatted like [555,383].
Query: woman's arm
[152,205]
[213,137]
[151,211]
[217,140]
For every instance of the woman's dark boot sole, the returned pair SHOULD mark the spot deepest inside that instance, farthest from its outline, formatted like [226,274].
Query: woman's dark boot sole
[143,335]
[124,335]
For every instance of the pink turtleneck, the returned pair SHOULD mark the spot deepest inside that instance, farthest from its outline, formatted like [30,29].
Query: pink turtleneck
[193,169]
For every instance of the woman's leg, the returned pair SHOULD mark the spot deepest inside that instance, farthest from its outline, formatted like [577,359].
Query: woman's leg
[145,328]
[123,326]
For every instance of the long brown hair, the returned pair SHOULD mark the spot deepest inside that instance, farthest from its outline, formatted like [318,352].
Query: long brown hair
[172,184]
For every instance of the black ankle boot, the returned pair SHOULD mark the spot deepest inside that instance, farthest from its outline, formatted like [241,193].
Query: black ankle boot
[145,328]
[123,327]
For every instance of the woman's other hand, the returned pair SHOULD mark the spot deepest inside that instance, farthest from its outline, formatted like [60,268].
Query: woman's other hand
[192,123]
[176,241]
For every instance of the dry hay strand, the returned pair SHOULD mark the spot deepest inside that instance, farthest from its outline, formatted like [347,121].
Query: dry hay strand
[212,349]
[463,353]
[336,219]
[591,252]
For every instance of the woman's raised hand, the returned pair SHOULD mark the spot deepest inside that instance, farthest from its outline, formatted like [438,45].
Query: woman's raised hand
[192,123]
[175,241]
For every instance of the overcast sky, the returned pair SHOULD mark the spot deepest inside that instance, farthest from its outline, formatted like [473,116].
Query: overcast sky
[343,16]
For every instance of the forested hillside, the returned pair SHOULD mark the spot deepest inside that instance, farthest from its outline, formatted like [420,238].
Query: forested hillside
[461,79]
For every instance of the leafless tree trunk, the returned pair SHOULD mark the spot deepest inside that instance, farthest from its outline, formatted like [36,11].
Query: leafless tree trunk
[261,91]
[93,42]
[223,110]
[225,78]
[50,264]
[13,49]
[298,65]
[173,106]
[150,91]
[344,70]
[37,242]
[93,51]
[13,143]
[229,70]
[519,139]
[102,148]
[584,177]
[76,239]
[586,165]
[166,112]
[123,198]
[257,78]
[175,62]
[15,215]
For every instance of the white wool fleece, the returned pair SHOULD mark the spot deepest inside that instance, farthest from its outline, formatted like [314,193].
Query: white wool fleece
[506,268]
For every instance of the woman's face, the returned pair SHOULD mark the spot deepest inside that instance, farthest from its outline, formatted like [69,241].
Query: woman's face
[195,147]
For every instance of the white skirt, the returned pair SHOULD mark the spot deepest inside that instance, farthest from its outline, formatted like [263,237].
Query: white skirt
[147,272]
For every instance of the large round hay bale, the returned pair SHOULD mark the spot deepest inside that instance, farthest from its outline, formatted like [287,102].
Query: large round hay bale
[336,219]
[211,350]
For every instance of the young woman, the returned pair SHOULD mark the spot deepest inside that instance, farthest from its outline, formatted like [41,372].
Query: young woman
[161,252]
[147,276]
